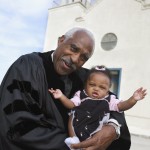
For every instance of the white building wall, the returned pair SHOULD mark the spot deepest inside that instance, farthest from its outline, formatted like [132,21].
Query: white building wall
[130,21]
[61,19]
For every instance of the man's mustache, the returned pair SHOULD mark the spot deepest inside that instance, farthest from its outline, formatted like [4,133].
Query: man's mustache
[70,63]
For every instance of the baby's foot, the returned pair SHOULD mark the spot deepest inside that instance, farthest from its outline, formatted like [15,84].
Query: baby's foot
[71,140]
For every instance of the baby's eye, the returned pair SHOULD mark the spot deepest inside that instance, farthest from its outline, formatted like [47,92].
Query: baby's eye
[91,84]
[101,87]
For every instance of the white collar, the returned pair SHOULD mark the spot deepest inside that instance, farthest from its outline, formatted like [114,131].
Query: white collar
[52,56]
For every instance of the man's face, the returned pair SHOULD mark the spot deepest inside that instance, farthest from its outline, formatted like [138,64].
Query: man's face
[72,53]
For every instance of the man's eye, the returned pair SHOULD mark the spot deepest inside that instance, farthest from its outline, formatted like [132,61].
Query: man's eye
[84,58]
[73,48]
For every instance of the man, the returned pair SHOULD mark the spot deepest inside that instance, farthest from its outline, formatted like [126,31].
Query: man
[30,118]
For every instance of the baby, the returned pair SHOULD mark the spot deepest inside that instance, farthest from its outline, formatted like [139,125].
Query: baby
[91,107]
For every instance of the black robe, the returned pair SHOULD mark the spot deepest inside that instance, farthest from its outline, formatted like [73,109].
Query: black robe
[30,119]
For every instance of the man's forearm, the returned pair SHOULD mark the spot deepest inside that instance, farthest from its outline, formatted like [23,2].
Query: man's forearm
[106,136]
[100,140]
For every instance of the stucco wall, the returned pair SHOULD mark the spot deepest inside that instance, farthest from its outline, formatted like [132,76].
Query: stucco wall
[131,24]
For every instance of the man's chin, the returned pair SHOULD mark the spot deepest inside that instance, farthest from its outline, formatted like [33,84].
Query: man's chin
[63,73]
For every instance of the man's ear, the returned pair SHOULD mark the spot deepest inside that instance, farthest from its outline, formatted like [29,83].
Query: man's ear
[61,39]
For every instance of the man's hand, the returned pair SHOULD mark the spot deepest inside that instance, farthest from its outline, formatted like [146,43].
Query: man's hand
[100,141]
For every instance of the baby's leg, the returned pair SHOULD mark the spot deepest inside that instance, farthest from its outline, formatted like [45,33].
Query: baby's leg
[70,127]
[72,139]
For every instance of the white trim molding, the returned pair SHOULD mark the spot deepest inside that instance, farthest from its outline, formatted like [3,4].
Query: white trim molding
[145,3]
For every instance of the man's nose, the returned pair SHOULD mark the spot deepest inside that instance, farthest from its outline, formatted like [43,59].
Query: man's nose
[75,58]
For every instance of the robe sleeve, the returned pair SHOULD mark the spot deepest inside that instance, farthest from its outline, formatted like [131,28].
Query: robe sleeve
[124,141]
[29,118]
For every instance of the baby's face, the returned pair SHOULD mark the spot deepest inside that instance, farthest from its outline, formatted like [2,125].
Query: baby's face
[97,86]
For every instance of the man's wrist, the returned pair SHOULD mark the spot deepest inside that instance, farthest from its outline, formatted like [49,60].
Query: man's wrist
[116,126]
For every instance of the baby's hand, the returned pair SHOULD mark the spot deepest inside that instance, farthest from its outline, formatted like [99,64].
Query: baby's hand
[56,93]
[139,94]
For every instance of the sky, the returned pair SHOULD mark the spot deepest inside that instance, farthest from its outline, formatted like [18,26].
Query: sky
[22,29]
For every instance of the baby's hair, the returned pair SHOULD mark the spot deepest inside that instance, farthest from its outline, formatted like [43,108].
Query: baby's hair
[99,69]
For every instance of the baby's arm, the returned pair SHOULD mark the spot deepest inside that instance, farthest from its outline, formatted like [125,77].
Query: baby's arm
[139,94]
[57,94]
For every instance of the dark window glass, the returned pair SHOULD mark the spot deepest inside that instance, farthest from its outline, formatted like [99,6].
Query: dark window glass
[109,41]
[116,76]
